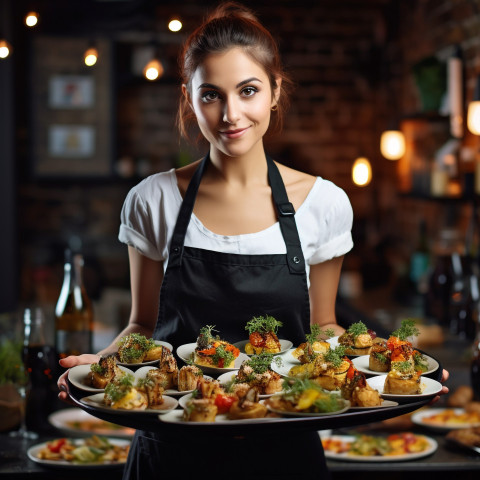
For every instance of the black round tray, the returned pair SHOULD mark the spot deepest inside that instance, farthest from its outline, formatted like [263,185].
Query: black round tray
[351,418]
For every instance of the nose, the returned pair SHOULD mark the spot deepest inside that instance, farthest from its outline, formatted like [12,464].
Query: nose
[231,111]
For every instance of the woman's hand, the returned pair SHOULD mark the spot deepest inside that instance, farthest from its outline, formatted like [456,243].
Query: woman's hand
[445,390]
[69,362]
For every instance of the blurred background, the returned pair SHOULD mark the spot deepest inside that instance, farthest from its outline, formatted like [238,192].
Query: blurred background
[75,138]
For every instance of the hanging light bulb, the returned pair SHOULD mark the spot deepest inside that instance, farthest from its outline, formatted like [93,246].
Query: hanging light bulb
[175,25]
[91,56]
[5,48]
[361,172]
[31,19]
[392,144]
[473,114]
[153,70]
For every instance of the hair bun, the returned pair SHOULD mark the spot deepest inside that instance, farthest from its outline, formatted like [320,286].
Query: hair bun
[232,9]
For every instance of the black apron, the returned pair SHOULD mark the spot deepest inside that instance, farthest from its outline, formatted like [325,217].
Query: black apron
[203,287]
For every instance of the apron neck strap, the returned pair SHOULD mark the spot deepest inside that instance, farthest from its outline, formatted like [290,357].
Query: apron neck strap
[285,210]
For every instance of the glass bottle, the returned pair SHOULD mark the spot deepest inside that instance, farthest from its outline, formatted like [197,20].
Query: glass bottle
[39,361]
[73,312]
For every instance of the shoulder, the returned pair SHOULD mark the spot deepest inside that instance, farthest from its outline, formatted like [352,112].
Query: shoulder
[184,175]
[298,184]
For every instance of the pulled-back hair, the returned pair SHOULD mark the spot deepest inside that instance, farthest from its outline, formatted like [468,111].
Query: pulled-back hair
[232,25]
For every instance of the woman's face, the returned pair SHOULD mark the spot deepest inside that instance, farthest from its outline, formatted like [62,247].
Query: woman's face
[232,100]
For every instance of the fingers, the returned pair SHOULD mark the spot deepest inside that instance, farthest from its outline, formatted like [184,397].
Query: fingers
[445,375]
[74,360]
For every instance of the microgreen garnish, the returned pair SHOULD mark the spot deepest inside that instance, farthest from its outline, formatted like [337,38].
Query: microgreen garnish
[316,331]
[407,329]
[263,324]
[358,328]
[335,355]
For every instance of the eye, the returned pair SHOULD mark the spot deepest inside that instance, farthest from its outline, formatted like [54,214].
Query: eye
[249,91]
[209,96]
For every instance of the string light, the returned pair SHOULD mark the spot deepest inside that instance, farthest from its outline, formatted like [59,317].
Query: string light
[361,172]
[392,144]
[175,25]
[473,114]
[31,19]
[5,49]
[153,70]
[91,56]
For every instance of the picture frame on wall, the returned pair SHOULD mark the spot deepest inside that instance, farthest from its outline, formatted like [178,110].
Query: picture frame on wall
[72,109]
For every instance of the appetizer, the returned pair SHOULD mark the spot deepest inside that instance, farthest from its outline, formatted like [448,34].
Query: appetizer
[256,374]
[121,394]
[263,335]
[453,418]
[357,340]
[210,351]
[136,348]
[328,370]
[308,350]
[104,371]
[94,449]
[376,446]
[468,437]
[247,406]
[304,396]
[357,391]
[188,377]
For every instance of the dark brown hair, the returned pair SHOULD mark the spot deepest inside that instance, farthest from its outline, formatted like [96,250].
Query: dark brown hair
[232,25]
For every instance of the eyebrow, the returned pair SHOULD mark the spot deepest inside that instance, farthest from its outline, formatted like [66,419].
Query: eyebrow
[243,82]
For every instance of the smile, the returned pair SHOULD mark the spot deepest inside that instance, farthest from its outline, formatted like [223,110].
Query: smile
[234,133]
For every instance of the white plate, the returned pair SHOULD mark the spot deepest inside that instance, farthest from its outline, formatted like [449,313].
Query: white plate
[346,406]
[228,376]
[361,364]
[151,362]
[185,352]
[78,376]
[333,341]
[32,453]
[62,420]
[169,403]
[176,416]
[419,416]
[345,456]
[288,361]
[284,346]
[431,388]
[142,372]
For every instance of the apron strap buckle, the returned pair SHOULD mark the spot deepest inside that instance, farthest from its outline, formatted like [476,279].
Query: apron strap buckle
[285,209]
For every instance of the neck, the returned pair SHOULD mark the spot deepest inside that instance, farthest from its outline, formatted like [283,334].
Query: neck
[243,170]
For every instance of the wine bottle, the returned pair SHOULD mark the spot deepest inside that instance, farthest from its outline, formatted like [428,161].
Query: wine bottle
[73,312]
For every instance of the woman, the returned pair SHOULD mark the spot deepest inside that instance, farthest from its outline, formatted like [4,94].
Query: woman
[232,236]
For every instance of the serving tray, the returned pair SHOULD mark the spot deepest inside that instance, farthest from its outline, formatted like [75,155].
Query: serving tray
[273,426]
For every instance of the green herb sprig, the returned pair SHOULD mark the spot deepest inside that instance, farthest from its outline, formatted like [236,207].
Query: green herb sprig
[358,328]
[316,331]
[263,324]
[407,329]
[335,355]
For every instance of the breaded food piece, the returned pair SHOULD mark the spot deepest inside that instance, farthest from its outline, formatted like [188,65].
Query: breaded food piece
[379,359]
[200,410]
[401,384]
[154,353]
[103,372]
[247,406]
[460,397]
[188,377]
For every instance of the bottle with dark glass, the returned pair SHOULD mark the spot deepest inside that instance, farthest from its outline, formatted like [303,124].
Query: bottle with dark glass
[39,360]
[73,312]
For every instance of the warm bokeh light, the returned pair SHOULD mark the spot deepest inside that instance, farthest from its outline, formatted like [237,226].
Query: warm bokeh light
[361,172]
[392,144]
[473,117]
[4,49]
[31,19]
[175,25]
[153,70]
[91,56]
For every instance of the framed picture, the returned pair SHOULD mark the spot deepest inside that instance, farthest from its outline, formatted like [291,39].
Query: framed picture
[71,91]
[71,110]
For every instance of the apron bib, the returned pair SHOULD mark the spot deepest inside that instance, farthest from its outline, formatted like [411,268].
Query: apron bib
[203,287]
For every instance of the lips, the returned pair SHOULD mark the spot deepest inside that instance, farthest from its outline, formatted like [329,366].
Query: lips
[234,133]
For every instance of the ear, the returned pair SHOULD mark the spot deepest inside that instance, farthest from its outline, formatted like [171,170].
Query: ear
[276,91]
[186,94]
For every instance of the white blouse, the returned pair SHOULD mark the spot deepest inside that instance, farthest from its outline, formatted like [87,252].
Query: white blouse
[148,217]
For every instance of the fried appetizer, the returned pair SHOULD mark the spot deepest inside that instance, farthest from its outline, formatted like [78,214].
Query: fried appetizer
[357,340]
[247,407]
[154,385]
[358,391]
[399,383]
[188,377]
[200,410]
[256,373]
[328,370]
[308,350]
[306,396]
[263,335]
[168,366]
[121,394]
[379,359]
[104,371]
[136,348]
[210,351]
